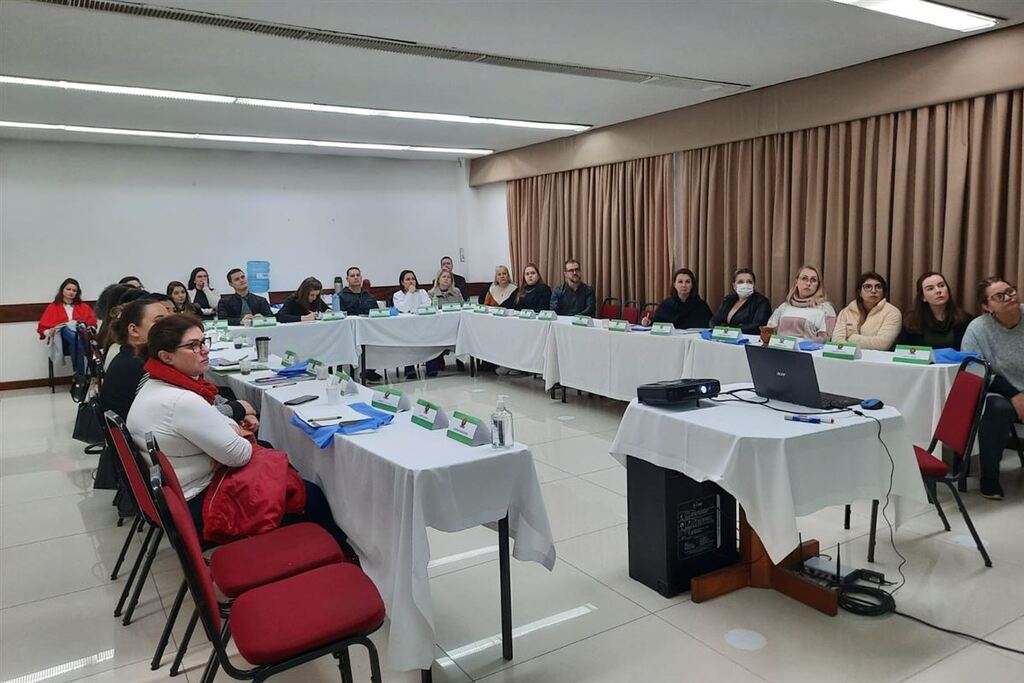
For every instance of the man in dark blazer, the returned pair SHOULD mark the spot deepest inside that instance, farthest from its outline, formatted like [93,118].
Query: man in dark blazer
[242,305]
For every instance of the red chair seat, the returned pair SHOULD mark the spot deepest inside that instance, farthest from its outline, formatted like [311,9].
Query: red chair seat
[258,560]
[281,620]
[930,465]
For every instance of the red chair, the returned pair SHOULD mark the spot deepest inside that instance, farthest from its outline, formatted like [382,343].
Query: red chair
[247,563]
[283,624]
[631,312]
[611,308]
[957,430]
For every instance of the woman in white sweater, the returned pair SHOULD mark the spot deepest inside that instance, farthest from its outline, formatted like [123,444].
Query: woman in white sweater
[174,403]
[869,321]
[407,300]
[806,312]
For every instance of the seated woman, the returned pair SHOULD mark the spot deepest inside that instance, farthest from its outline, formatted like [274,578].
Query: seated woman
[201,293]
[61,318]
[746,308]
[444,291]
[869,321]
[304,304]
[998,337]
[935,320]
[407,300]
[108,298]
[501,291]
[175,404]
[534,295]
[179,299]
[684,308]
[806,312]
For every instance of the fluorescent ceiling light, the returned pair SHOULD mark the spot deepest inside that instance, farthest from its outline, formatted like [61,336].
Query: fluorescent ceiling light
[928,13]
[249,139]
[286,104]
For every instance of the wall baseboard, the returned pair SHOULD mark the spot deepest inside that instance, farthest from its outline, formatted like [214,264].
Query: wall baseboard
[32,383]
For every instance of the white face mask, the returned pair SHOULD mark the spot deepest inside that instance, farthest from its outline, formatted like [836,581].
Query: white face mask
[744,289]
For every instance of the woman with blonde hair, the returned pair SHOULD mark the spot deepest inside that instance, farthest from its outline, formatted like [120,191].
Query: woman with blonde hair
[444,290]
[501,290]
[806,313]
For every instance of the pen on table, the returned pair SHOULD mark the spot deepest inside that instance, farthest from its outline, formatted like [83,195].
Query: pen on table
[808,419]
[286,384]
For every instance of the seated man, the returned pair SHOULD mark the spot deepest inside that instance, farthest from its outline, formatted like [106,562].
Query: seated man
[242,305]
[999,338]
[354,299]
[573,297]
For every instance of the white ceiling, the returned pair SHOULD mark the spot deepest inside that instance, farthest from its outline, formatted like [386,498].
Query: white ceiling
[754,42]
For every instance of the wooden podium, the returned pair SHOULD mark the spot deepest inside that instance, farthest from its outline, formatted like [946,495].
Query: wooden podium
[755,569]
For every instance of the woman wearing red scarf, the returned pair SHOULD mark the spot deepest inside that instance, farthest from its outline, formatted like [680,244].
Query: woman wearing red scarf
[175,404]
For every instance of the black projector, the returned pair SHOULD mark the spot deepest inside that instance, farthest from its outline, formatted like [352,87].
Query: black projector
[673,392]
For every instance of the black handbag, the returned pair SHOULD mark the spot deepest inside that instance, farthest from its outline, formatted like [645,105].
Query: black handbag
[79,387]
[88,427]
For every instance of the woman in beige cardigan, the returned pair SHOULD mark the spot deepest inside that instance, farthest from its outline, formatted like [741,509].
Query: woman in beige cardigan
[869,321]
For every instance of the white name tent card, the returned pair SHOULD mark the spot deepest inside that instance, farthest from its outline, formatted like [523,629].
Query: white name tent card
[618,326]
[841,350]
[723,333]
[429,415]
[263,322]
[583,321]
[916,355]
[333,315]
[289,358]
[390,399]
[346,383]
[468,430]
[547,315]
[380,313]
[527,314]
[662,329]
[783,342]
[447,308]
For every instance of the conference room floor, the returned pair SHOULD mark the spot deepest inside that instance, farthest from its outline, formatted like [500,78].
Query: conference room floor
[585,621]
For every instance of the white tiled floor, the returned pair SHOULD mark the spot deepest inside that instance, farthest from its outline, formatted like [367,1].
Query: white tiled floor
[586,621]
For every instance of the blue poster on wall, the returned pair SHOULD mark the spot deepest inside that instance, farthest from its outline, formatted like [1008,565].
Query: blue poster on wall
[258,273]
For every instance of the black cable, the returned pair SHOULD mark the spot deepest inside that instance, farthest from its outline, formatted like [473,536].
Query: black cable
[735,398]
[953,632]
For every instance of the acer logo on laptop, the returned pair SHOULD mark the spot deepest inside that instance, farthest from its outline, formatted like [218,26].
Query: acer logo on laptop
[779,373]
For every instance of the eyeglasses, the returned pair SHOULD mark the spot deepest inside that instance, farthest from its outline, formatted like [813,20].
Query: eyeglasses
[572,270]
[872,288]
[196,346]
[1004,295]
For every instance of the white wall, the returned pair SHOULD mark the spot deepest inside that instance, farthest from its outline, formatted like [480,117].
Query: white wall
[98,212]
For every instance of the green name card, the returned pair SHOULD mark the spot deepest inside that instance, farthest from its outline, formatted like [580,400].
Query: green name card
[724,333]
[390,399]
[380,313]
[547,315]
[915,355]
[783,342]
[263,322]
[466,429]
[426,310]
[528,314]
[583,321]
[841,350]
[618,326]
[334,315]
[662,329]
[289,358]
[468,305]
[428,415]
[447,308]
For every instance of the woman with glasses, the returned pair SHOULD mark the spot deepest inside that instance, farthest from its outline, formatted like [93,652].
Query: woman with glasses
[806,313]
[175,404]
[936,320]
[869,321]
[998,337]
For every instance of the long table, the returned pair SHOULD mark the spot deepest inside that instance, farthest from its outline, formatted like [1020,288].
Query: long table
[597,360]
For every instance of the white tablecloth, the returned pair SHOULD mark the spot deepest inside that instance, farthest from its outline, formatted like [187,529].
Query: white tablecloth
[777,470]
[331,341]
[242,385]
[406,339]
[508,342]
[385,488]
[917,391]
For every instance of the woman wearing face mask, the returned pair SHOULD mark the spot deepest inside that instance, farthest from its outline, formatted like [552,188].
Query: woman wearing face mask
[745,308]
[936,320]
[684,309]
[869,321]
[534,295]
[201,293]
[806,312]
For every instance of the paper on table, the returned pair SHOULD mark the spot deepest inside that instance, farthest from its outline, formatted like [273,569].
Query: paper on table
[323,416]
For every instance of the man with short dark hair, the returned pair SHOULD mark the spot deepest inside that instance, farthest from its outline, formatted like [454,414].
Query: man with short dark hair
[354,299]
[457,280]
[242,305]
[573,297]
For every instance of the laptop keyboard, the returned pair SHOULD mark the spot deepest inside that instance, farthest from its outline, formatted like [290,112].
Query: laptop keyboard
[838,400]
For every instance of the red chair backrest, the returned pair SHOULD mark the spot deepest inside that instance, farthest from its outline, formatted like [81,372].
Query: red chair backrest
[181,532]
[958,422]
[611,308]
[126,454]
[167,473]
[631,313]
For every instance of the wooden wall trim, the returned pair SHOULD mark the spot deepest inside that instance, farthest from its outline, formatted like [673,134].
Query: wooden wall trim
[33,383]
[968,67]
[30,313]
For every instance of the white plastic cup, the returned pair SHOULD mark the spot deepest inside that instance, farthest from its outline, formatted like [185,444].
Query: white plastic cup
[321,372]
[334,394]
[245,365]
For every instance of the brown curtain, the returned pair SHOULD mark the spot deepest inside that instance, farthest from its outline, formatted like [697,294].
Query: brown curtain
[615,219]
[936,188]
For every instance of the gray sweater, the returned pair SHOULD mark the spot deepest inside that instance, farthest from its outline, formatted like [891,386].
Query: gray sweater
[1002,348]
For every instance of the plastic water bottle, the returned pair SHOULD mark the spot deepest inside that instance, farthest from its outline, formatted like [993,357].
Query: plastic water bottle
[336,302]
[501,425]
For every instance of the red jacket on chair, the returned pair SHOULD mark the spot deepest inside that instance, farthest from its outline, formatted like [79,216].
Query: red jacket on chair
[55,315]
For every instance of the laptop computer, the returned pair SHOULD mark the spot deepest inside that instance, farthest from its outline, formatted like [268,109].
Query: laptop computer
[789,376]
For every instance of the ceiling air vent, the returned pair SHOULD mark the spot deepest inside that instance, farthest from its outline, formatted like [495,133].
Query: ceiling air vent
[393,46]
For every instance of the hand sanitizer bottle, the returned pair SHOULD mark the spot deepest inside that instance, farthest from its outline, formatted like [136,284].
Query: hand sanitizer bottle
[501,425]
